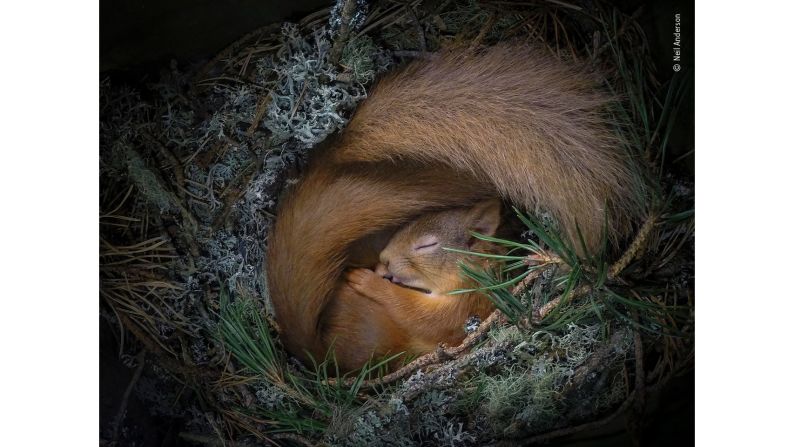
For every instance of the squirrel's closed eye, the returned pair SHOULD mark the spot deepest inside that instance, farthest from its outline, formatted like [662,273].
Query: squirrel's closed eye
[426,243]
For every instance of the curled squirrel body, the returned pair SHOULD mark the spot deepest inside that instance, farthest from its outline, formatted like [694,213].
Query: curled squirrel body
[417,271]
[448,131]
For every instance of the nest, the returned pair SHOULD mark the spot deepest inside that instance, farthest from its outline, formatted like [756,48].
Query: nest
[192,168]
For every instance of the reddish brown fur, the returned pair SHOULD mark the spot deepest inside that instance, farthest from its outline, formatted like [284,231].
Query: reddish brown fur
[328,210]
[513,117]
[417,257]
[440,133]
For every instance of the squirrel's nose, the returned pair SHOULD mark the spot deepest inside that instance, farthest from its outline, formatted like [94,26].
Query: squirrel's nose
[383,270]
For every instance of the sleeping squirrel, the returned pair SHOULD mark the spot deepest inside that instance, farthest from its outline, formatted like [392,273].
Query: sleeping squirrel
[450,131]
[415,272]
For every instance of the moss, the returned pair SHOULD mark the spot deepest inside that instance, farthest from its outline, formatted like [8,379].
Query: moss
[363,59]
[148,183]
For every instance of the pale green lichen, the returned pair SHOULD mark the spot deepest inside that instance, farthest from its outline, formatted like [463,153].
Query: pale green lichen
[363,59]
[527,392]
[148,183]
[305,104]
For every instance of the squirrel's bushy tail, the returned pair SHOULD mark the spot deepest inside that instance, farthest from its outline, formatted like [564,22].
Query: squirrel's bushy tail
[535,128]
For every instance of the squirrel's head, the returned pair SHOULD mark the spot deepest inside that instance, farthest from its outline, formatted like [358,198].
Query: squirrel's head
[415,255]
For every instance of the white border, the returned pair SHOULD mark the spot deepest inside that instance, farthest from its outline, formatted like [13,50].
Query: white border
[49,120]
[745,317]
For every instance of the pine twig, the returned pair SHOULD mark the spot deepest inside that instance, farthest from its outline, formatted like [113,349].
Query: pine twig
[443,353]
[453,369]
[189,220]
[231,197]
[163,357]
[418,25]
[248,398]
[634,422]
[439,355]
[231,48]
[294,438]
[348,9]
[176,166]
[594,361]
[261,108]
[141,358]
[614,271]
[548,436]
[622,30]
[486,28]
[213,441]
[547,308]
[634,249]
[217,442]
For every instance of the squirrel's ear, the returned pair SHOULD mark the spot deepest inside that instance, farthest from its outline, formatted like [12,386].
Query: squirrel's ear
[484,217]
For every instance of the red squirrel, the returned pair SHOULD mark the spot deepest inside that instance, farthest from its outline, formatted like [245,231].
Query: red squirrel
[416,272]
[449,131]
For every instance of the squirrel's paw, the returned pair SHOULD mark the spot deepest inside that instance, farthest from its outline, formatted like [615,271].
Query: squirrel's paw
[366,282]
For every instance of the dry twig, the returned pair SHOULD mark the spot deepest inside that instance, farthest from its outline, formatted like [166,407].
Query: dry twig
[440,355]
[141,359]
[486,28]
[343,36]
[616,269]
[637,245]
[548,436]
